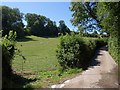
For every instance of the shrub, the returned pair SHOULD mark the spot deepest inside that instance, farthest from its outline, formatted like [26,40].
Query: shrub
[88,51]
[74,51]
[8,50]
[8,53]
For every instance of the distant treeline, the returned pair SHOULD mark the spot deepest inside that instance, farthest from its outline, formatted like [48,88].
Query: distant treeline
[38,25]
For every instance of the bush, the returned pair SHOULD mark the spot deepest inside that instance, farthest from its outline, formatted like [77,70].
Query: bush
[8,53]
[88,51]
[8,50]
[75,51]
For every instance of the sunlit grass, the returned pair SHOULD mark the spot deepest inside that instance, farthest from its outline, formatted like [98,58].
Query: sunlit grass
[41,62]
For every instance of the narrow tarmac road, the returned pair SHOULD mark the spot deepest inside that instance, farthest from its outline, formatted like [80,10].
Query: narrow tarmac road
[103,73]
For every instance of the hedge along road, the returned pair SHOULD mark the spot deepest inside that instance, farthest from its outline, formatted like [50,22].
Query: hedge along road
[102,73]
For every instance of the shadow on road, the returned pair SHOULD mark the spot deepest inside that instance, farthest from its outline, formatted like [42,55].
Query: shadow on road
[105,48]
[95,61]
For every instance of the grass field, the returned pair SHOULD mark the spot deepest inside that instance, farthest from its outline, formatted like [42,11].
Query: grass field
[37,51]
[41,62]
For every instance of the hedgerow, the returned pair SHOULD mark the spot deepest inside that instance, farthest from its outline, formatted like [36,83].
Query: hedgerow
[101,42]
[114,48]
[111,24]
[75,51]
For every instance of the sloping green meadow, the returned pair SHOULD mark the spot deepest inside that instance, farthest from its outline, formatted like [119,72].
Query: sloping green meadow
[39,53]
[41,62]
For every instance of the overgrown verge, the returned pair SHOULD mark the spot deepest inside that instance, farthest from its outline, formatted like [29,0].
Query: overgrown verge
[114,47]
[77,52]
[8,52]
[111,24]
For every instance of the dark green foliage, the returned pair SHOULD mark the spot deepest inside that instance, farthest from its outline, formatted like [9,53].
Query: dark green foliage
[74,51]
[88,52]
[12,20]
[63,29]
[114,48]
[101,42]
[84,15]
[39,25]
[69,51]
[51,28]
[35,23]
[109,13]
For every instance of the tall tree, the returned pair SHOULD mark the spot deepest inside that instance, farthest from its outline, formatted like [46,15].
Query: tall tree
[12,20]
[84,15]
[55,29]
[40,25]
[109,13]
[51,28]
[63,28]
[30,19]
[36,24]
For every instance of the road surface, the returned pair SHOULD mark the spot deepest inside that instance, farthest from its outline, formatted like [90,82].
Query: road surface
[103,73]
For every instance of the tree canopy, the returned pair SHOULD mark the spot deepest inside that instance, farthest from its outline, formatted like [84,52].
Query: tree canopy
[103,16]
[39,25]
[109,13]
[84,15]
[63,28]
[42,26]
[12,20]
